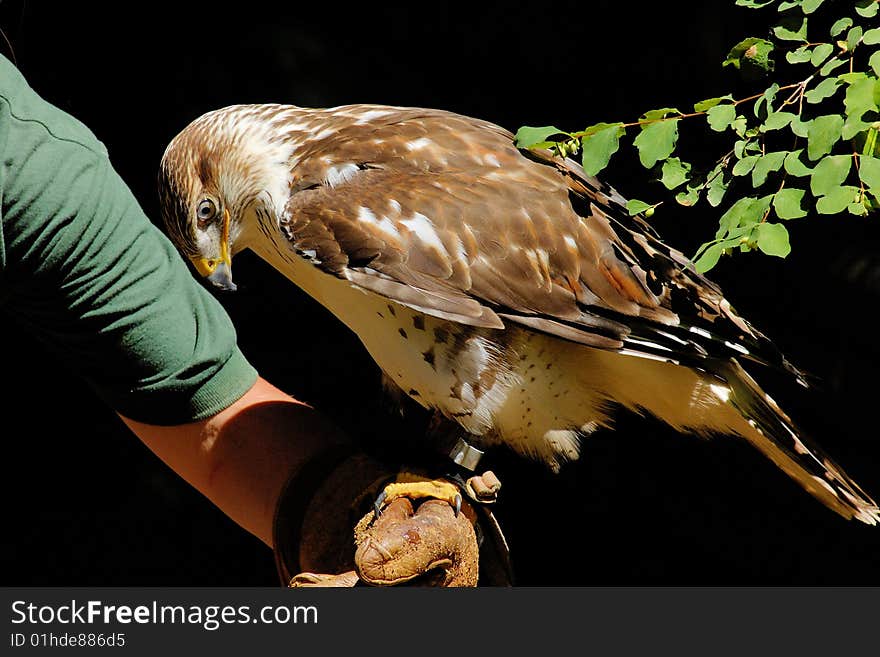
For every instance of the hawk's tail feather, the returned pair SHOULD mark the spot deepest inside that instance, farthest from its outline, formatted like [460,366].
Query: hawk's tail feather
[770,430]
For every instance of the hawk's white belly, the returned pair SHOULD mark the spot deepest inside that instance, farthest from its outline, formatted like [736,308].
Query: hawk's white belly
[500,385]
[536,393]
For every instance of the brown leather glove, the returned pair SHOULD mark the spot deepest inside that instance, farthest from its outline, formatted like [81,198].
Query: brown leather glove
[342,543]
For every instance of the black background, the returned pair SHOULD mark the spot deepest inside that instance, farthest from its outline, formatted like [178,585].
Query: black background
[84,503]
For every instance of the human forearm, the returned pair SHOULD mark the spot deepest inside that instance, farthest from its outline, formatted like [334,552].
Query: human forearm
[242,457]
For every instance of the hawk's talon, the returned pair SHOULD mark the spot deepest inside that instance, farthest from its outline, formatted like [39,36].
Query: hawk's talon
[415,487]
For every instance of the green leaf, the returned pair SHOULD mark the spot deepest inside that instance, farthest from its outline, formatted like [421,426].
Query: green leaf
[753,4]
[869,172]
[634,206]
[791,28]
[829,173]
[764,104]
[689,196]
[794,166]
[840,25]
[853,37]
[745,165]
[527,136]
[821,91]
[791,4]
[773,239]
[709,103]
[800,128]
[860,96]
[747,211]
[709,257]
[821,53]
[720,117]
[837,200]
[656,142]
[869,148]
[777,120]
[799,55]
[758,57]
[717,187]
[598,147]
[674,173]
[830,65]
[765,164]
[871,37]
[739,126]
[809,6]
[858,208]
[752,53]
[787,203]
[866,8]
[750,147]
[822,133]
[874,63]
[662,113]
[852,127]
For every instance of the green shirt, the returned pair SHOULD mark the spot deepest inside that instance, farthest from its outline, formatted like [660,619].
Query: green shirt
[85,271]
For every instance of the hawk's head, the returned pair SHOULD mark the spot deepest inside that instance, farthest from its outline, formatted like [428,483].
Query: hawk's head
[219,177]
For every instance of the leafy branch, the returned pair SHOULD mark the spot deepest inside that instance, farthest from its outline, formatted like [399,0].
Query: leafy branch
[797,148]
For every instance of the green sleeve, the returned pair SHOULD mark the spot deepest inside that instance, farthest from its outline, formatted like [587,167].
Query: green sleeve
[83,269]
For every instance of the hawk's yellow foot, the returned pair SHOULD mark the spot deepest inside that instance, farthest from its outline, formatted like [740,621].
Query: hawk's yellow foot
[414,486]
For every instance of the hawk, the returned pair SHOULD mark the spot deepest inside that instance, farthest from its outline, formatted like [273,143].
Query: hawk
[504,290]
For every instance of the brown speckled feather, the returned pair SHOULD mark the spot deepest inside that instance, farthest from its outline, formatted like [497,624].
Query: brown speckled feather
[442,213]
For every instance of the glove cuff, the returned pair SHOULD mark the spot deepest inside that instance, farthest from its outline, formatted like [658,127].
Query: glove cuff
[290,511]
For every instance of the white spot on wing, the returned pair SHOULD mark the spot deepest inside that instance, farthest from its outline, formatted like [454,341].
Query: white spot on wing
[460,249]
[369,115]
[366,215]
[722,392]
[416,144]
[341,173]
[296,126]
[326,132]
[385,225]
[492,160]
[645,343]
[736,347]
[424,230]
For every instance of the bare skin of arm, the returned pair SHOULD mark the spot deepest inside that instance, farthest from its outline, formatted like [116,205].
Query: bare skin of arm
[242,457]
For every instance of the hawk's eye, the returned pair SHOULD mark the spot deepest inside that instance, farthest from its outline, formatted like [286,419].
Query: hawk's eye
[206,212]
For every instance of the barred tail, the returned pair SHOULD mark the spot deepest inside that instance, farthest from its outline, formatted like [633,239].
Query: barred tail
[771,431]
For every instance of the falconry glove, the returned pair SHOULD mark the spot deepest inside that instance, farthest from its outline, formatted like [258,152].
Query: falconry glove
[328,533]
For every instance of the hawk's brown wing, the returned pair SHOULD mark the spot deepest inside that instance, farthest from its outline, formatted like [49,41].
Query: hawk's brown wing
[442,213]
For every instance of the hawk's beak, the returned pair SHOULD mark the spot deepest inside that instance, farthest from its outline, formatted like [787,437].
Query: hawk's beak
[218,271]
